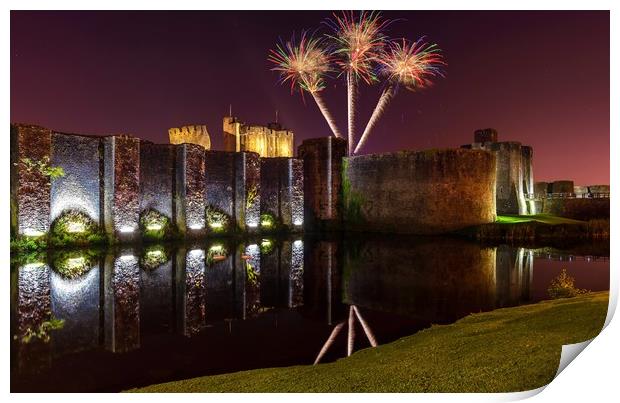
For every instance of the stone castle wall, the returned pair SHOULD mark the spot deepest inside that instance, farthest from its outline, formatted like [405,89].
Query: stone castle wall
[515,174]
[425,192]
[115,179]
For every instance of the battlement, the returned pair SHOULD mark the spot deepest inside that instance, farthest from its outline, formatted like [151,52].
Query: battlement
[191,134]
[269,141]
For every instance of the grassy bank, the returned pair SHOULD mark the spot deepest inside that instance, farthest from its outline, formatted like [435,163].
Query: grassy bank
[506,350]
[539,228]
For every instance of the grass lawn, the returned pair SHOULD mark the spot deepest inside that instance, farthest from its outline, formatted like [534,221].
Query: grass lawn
[506,350]
[541,218]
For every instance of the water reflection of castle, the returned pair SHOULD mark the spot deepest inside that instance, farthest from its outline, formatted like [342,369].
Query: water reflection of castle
[128,293]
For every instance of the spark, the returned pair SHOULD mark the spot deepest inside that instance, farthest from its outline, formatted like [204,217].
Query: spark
[304,66]
[410,65]
[358,45]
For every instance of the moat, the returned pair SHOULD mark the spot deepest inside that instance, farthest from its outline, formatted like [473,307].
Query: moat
[134,316]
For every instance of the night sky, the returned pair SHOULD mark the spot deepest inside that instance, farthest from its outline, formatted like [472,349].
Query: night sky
[541,78]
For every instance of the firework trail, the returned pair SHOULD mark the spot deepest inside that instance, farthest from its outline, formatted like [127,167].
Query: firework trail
[304,66]
[410,65]
[358,45]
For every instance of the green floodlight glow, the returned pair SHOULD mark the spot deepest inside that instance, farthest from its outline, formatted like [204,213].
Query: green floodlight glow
[154,227]
[265,223]
[154,254]
[265,242]
[216,248]
[215,224]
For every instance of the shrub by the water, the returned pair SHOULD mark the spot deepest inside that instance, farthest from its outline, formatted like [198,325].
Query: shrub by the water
[563,286]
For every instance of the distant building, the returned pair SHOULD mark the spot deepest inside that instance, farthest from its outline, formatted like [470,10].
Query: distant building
[515,177]
[268,141]
[192,134]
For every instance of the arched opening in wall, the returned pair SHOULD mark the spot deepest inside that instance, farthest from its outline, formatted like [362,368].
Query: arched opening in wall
[75,227]
[155,226]
[73,264]
[217,221]
[153,257]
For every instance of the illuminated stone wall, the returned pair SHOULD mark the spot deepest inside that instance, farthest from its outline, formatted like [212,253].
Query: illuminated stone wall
[190,198]
[515,175]
[157,178]
[322,165]
[247,191]
[220,172]
[30,188]
[577,208]
[121,186]
[114,179]
[80,187]
[268,141]
[282,192]
[192,134]
[425,192]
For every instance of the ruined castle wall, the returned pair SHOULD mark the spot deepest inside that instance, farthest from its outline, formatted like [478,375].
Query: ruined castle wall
[564,186]
[79,188]
[322,165]
[528,177]
[509,191]
[282,190]
[247,191]
[30,188]
[425,192]
[220,187]
[157,178]
[121,187]
[190,195]
[577,208]
[193,134]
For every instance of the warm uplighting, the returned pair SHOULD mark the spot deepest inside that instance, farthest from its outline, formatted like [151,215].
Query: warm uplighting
[298,222]
[196,226]
[265,242]
[154,227]
[216,248]
[265,223]
[75,263]
[126,229]
[298,243]
[252,224]
[215,224]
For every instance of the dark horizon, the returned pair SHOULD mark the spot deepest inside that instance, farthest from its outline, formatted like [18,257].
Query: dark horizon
[534,76]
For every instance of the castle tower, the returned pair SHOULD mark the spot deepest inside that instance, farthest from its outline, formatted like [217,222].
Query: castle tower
[192,134]
[268,141]
[515,175]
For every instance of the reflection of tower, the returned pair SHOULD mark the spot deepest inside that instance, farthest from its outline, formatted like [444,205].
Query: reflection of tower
[190,282]
[268,141]
[514,270]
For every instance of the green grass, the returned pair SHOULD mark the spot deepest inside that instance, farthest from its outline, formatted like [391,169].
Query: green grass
[541,218]
[505,350]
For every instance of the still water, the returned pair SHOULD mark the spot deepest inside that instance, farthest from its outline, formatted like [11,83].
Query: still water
[143,315]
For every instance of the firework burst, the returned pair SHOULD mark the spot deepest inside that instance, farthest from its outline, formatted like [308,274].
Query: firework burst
[358,45]
[304,66]
[410,65]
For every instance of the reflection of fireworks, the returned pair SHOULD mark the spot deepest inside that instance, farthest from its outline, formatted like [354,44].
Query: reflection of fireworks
[358,44]
[412,65]
[304,65]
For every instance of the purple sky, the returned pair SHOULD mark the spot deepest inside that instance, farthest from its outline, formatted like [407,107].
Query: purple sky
[541,78]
